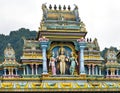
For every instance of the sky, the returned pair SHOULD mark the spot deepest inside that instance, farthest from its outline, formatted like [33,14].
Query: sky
[101,17]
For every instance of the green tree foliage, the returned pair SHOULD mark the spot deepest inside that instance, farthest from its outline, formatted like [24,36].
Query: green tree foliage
[15,38]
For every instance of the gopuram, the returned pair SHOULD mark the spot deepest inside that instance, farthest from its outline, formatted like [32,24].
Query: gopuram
[61,59]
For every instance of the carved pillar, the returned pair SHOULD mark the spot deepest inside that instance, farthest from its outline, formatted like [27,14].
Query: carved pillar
[82,44]
[110,72]
[9,71]
[24,70]
[36,69]
[89,69]
[113,72]
[44,45]
[117,71]
[12,71]
[99,70]
[93,66]
[32,69]
[27,70]
[107,71]
[96,70]
[5,71]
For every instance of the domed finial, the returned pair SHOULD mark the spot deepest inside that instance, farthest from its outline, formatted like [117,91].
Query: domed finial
[69,7]
[59,7]
[50,6]
[90,39]
[87,40]
[9,45]
[55,7]
[64,7]
[76,7]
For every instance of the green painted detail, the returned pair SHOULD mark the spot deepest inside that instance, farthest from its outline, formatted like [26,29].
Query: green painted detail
[31,44]
[95,76]
[63,21]
[63,27]
[10,65]
[31,76]
[113,66]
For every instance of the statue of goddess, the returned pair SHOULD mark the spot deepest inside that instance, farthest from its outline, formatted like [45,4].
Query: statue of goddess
[73,62]
[52,64]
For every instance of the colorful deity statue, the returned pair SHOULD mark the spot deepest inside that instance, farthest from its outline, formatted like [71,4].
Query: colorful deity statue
[73,62]
[52,64]
[62,59]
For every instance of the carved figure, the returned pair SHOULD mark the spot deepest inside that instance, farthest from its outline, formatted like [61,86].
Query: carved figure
[73,62]
[45,10]
[62,59]
[76,13]
[52,64]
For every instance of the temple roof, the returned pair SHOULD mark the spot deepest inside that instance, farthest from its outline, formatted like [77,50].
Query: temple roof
[92,45]
[31,45]
[9,52]
[9,63]
[111,59]
[60,14]
[31,51]
[61,19]
[9,57]
[61,23]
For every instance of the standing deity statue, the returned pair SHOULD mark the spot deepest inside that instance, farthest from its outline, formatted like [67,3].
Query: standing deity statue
[52,64]
[62,59]
[73,62]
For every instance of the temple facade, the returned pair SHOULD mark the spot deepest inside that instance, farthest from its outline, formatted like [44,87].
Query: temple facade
[60,58]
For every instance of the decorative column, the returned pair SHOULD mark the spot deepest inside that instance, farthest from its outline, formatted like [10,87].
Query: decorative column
[107,72]
[82,44]
[99,70]
[117,71]
[32,69]
[12,71]
[27,70]
[96,70]
[89,69]
[44,44]
[9,71]
[93,69]
[36,69]
[24,70]
[5,71]
[113,72]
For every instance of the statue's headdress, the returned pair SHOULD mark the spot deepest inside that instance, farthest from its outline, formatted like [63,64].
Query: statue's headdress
[61,49]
